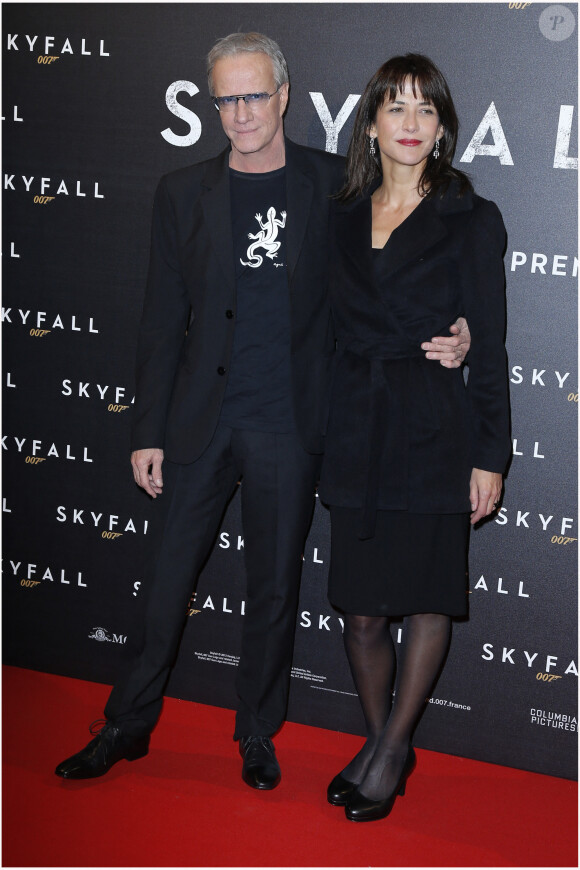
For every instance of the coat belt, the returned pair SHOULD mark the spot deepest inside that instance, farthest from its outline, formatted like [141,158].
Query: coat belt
[389,400]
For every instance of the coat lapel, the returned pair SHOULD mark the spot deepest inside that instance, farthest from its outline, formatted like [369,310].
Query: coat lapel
[353,222]
[215,203]
[419,232]
[299,192]
[423,229]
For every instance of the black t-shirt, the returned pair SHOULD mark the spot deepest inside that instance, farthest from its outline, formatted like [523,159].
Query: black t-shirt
[258,394]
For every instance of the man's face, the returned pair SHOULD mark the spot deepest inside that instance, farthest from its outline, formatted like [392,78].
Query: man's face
[256,129]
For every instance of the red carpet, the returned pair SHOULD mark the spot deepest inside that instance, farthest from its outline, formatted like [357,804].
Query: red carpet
[186,805]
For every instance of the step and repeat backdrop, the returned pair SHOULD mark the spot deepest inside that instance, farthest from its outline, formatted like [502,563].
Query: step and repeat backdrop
[99,100]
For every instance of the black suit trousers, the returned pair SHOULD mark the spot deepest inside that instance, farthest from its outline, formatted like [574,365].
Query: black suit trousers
[278,481]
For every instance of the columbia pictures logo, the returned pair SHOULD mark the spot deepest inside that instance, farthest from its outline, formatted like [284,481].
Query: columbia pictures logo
[557,23]
[550,719]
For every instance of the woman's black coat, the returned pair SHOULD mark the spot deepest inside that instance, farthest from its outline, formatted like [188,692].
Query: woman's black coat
[404,433]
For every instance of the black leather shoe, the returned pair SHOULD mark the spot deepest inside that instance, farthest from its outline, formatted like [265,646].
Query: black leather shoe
[109,746]
[339,791]
[362,809]
[260,768]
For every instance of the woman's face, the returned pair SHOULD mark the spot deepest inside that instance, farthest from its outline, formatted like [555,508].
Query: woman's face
[406,129]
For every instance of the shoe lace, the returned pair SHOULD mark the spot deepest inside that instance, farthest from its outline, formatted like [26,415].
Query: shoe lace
[253,745]
[98,725]
[263,741]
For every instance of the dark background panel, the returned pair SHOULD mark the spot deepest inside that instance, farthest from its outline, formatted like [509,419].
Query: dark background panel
[97,121]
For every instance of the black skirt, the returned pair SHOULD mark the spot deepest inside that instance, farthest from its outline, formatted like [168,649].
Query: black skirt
[415,563]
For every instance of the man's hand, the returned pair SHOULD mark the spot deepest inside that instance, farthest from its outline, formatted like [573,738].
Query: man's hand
[147,470]
[450,350]
[484,493]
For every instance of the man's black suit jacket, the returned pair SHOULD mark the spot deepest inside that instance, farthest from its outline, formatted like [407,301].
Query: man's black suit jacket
[189,315]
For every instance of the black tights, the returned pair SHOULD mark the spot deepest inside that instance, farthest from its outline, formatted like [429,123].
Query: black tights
[371,655]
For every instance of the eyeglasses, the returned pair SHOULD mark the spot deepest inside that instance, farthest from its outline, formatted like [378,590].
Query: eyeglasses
[229,104]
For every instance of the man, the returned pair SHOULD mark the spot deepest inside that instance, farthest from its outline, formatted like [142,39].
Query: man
[234,355]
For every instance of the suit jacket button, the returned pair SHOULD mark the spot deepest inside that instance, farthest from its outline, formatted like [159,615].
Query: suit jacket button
[229,314]
[221,370]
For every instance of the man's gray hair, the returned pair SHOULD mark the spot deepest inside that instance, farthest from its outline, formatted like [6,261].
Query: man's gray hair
[236,43]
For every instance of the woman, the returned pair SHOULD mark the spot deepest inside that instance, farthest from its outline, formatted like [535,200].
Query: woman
[410,450]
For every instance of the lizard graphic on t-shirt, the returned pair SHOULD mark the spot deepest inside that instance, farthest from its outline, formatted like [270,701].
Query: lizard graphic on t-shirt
[265,238]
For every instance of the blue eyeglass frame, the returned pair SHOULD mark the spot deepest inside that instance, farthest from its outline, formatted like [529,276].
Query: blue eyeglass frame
[247,98]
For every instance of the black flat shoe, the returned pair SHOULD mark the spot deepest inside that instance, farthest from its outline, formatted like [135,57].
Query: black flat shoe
[339,791]
[260,768]
[108,747]
[362,809]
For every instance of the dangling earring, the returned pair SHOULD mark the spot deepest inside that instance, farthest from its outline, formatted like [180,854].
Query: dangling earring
[372,147]
[436,149]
